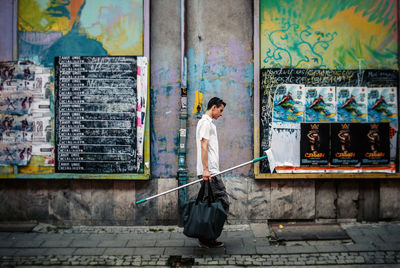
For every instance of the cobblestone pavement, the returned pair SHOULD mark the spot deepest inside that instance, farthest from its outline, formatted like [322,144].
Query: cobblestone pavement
[371,245]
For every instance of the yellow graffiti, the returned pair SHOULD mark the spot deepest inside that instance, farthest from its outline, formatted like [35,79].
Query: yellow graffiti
[198,102]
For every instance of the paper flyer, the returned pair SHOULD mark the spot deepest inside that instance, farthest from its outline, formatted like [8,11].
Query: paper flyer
[315,144]
[142,73]
[15,153]
[376,144]
[352,104]
[382,105]
[41,129]
[289,103]
[345,144]
[320,104]
[42,85]
[15,128]
[44,149]
[17,76]
[19,102]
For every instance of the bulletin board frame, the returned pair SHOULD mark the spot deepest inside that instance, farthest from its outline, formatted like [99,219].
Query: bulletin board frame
[48,172]
[257,126]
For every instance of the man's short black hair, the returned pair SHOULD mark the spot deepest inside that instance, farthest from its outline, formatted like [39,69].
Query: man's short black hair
[215,101]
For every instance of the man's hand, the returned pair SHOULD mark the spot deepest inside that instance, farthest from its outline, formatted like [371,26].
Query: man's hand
[206,175]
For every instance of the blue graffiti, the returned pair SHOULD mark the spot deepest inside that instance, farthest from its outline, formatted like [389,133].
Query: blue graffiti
[296,48]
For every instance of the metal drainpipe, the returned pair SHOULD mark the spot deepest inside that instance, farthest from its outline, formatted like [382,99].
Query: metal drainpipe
[183,115]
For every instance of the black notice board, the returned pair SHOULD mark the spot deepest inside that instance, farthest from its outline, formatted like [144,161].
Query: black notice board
[95,114]
[270,78]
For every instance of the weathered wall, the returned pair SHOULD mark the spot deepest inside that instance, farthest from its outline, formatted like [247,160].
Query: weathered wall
[220,52]
[165,86]
[7,21]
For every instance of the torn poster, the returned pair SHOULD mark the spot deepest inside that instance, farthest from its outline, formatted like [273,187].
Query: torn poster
[15,153]
[16,102]
[141,106]
[17,76]
[285,147]
[15,129]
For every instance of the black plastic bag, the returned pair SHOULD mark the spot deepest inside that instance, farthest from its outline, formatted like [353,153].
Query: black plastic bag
[203,219]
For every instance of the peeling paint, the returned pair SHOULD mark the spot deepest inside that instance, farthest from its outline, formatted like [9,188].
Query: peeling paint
[165,98]
[225,71]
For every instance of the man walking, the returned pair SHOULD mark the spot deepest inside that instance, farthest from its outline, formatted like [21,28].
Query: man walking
[208,158]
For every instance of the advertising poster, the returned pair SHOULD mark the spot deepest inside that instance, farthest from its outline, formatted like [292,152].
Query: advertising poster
[382,105]
[376,144]
[289,103]
[345,146]
[314,145]
[320,104]
[16,102]
[352,104]
[17,76]
[15,153]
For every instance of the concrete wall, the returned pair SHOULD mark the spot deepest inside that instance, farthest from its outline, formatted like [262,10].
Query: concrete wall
[7,25]
[219,46]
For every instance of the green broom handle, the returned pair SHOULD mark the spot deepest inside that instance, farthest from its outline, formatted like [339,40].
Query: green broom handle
[199,180]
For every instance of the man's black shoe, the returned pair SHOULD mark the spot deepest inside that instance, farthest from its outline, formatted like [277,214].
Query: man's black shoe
[210,244]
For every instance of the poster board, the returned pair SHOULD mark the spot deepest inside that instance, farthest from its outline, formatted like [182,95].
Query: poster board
[95,115]
[315,78]
[41,33]
[290,67]
[72,101]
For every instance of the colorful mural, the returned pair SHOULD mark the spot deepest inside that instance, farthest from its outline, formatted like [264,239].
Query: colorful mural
[49,28]
[329,34]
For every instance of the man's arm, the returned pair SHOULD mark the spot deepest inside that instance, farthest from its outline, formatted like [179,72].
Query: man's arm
[345,104]
[204,159]
[376,104]
[282,100]
[313,104]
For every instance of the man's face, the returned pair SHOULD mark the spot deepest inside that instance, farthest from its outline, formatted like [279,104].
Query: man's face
[216,112]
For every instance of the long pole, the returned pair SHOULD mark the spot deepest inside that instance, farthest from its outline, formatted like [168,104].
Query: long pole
[199,180]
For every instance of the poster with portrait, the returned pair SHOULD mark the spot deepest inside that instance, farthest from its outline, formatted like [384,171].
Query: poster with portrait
[375,149]
[314,144]
[345,144]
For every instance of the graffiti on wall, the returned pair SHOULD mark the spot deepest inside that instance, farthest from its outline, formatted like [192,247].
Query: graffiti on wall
[329,34]
[225,71]
[82,27]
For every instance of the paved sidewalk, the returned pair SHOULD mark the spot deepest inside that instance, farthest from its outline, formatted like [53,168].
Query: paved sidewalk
[371,245]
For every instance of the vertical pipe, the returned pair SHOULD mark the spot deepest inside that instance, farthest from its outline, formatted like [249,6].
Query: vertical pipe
[146,32]
[183,115]
[256,93]
[14,30]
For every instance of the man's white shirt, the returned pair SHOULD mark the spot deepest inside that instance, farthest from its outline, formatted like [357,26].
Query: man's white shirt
[207,130]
